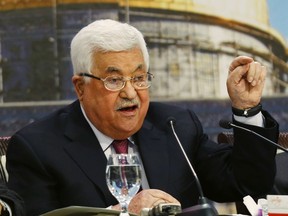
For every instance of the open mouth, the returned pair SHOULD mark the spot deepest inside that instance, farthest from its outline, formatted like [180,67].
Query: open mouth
[131,108]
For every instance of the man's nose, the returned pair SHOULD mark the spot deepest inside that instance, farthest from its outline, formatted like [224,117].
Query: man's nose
[128,91]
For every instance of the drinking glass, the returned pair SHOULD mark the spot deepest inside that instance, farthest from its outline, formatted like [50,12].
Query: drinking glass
[123,177]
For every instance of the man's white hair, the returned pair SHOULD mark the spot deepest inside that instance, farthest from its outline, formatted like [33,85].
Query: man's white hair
[104,36]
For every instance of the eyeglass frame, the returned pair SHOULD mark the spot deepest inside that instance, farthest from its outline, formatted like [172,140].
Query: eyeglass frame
[125,79]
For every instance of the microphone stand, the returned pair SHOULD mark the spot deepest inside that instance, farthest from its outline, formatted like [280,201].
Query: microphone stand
[203,208]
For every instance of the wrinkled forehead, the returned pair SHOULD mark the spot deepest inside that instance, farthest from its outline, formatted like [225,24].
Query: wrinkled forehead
[131,60]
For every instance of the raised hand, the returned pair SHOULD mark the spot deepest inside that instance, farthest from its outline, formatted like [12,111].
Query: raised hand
[245,82]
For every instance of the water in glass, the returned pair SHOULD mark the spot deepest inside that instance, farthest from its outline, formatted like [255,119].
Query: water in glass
[123,177]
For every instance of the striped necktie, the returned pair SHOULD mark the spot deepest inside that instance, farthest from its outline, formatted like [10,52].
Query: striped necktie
[121,146]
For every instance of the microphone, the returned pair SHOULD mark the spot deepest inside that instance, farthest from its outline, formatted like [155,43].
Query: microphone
[228,125]
[203,208]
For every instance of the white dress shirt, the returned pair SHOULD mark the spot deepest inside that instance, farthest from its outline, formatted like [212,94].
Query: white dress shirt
[108,149]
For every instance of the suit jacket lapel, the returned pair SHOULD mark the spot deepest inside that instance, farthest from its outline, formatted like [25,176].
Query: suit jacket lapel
[85,150]
[154,153]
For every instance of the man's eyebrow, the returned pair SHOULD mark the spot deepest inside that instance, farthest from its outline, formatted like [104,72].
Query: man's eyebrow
[139,67]
[111,69]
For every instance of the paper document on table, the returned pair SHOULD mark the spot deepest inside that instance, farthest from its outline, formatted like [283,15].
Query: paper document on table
[82,211]
[277,205]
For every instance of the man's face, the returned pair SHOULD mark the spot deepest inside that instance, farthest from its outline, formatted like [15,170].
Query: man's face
[117,114]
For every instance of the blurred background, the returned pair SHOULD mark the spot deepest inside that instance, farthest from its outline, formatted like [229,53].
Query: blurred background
[191,44]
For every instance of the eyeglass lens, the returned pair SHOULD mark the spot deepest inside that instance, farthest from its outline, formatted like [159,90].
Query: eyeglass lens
[139,82]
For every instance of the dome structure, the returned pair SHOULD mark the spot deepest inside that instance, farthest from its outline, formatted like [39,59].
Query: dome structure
[191,44]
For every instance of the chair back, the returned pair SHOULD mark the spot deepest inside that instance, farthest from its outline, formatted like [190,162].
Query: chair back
[4,141]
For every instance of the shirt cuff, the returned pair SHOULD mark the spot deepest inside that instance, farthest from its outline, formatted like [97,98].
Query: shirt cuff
[256,120]
[5,207]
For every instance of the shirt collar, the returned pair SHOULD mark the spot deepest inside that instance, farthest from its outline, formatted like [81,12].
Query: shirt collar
[104,140]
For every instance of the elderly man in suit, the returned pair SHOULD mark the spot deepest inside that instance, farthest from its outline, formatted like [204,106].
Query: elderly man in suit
[60,160]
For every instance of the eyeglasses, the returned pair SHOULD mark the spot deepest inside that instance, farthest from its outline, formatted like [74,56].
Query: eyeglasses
[116,83]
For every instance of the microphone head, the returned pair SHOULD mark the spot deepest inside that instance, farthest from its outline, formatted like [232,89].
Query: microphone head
[171,119]
[225,124]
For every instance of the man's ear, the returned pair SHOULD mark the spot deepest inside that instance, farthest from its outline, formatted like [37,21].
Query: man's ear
[78,82]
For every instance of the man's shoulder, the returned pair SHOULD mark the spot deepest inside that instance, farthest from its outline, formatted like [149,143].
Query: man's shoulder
[52,119]
[165,110]
[160,115]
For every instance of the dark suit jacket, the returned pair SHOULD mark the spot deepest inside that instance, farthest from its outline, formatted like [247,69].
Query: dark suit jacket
[58,162]
[280,186]
[12,199]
